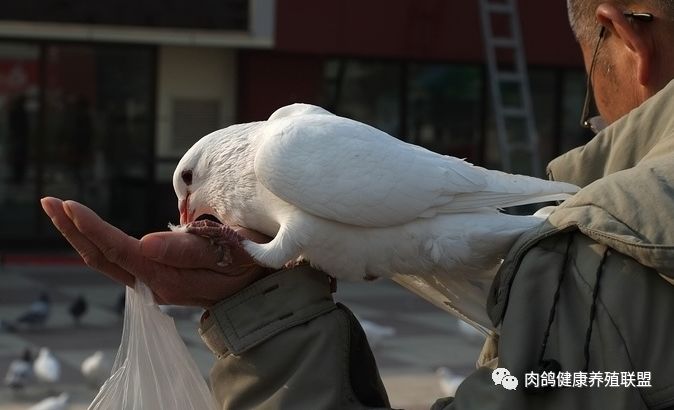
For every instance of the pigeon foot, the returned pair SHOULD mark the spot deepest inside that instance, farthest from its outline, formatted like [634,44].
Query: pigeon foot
[220,235]
[295,263]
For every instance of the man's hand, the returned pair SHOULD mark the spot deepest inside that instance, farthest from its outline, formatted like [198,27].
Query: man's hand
[180,268]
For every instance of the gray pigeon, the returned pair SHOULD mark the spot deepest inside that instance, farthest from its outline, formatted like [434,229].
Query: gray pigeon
[37,313]
[78,309]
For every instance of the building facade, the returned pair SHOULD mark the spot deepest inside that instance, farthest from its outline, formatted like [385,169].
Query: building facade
[98,104]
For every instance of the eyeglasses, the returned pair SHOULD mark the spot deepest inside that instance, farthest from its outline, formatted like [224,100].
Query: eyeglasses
[596,123]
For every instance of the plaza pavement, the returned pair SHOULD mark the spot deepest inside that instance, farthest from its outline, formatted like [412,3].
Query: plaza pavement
[425,339]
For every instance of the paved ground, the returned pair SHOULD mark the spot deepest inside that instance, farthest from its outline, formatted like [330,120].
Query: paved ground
[425,339]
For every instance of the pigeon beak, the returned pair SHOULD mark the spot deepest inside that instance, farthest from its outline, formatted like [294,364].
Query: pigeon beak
[186,216]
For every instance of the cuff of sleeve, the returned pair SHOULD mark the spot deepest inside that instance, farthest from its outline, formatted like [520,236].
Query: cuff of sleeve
[265,308]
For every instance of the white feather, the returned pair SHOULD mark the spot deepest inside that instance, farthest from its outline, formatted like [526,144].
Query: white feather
[349,172]
[358,203]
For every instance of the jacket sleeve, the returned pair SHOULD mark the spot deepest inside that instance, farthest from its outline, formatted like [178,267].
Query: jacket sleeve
[282,343]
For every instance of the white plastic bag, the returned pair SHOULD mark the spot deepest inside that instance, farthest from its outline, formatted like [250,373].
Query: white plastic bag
[153,368]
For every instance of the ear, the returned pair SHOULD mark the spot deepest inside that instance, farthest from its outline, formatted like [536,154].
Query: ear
[633,37]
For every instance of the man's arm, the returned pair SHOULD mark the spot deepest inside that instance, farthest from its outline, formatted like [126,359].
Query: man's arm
[280,340]
[283,343]
[180,268]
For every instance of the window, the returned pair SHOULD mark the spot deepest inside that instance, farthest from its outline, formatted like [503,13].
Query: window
[369,92]
[81,128]
[573,91]
[19,113]
[437,106]
[445,109]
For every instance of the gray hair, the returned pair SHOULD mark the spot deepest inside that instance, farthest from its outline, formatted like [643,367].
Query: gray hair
[584,23]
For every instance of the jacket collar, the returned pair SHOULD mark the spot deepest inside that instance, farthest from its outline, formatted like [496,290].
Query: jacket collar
[621,145]
[604,210]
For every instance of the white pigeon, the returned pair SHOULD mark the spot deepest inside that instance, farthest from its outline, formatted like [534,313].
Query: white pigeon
[448,381]
[354,201]
[59,402]
[46,367]
[96,369]
[19,371]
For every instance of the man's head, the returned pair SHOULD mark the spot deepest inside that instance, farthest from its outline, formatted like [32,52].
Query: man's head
[634,59]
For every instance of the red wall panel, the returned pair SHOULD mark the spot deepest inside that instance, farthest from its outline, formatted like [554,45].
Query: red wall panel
[418,29]
[548,39]
[269,80]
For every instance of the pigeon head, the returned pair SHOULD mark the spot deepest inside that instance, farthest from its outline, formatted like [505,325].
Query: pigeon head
[188,179]
[27,355]
[212,168]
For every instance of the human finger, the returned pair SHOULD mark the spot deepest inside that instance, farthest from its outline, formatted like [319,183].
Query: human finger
[114,246]
[179,249]
[186,250]
[89,252]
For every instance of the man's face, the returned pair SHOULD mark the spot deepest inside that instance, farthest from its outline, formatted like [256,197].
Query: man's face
[614,81]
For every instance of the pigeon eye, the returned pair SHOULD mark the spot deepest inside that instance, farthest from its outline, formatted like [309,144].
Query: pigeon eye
[187,177]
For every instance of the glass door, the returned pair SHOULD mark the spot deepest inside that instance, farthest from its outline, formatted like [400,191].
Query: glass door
[98,143]
[19,115]
[71,137]
[76,122]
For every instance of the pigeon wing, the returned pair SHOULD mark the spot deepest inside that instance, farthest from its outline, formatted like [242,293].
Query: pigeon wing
[347,171]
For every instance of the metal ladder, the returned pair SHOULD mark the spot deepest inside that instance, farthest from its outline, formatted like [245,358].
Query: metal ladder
[511,142]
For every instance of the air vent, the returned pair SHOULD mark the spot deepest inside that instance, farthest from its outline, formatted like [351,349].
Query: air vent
[192,119]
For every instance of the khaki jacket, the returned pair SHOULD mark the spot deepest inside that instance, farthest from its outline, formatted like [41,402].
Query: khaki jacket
[588,290]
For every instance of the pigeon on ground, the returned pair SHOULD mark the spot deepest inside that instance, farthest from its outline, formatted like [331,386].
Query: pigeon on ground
[19,371]
[59,402]
[96,369]
[78,309]
[46,367]
[448,381]
[37,313]
[354,201]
